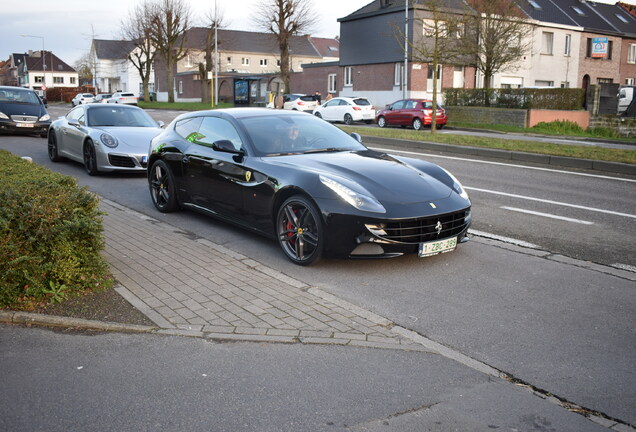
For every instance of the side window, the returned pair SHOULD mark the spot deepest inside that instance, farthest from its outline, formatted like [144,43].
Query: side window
[76,114]
[410,104]
[188,128]
[214,129]
[398,105]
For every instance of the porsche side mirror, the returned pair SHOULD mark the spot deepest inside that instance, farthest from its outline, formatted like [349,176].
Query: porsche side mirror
[74,122]
[356,136]
[161,124]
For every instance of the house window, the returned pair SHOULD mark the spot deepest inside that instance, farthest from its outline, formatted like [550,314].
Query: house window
[180,87]
[278,62]
[331,83]
[534,4]
[263,62]
[38,79]
[245,61]
[397,79]
[578,10]
[631,53]
[629,81]
[542,83]
[622,18]
[188,61]
[546,43]
[58,80]
[568,45]
[565,84]
[348,76]
[229,60]
[72,79]
[604,80]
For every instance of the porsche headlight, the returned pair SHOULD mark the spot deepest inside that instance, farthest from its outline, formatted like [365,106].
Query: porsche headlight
[458,186]
[356,199]
[108,140]
[45,117]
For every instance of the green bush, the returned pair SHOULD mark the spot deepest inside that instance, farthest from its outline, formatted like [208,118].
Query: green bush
[50,234]
[523,98]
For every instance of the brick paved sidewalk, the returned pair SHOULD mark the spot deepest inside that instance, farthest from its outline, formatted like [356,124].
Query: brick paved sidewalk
[190,285]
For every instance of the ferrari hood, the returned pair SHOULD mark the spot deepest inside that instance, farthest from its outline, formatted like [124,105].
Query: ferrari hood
[132,139]
[386,178]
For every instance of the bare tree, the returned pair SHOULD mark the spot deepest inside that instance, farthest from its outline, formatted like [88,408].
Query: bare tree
[84,68]
[215,21]
[499,37]
[170,22]
[137,29]
[440,42]
[284,19]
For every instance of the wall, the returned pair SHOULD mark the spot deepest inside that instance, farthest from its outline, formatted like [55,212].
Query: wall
[481,115]
[582,118]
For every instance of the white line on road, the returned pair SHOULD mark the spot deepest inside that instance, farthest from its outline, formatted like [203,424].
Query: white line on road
[507,165]
[503,239]
[551,202]
[548,215]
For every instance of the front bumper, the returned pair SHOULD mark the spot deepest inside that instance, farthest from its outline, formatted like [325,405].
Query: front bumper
[24,128]
[115,161]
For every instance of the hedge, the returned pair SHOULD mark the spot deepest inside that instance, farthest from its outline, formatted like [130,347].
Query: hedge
[50,235]
[552,98]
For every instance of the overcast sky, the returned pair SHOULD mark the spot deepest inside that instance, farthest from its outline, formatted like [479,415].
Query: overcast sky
[67,26]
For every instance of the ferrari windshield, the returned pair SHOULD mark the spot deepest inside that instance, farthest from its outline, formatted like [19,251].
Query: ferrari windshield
[119,116]
[296,134]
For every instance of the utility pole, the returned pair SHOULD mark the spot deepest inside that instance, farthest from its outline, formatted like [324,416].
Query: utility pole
[406,49]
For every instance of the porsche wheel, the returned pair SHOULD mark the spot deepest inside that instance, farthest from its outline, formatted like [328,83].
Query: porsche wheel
[417,124]
[162,187]
[90,159]
[52,148]
[300,230]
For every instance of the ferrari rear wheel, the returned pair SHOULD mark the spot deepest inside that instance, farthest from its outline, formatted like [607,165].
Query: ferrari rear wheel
[162,187]
[300,230]
[90,159]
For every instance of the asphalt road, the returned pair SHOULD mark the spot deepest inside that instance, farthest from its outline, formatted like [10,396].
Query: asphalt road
[544,314]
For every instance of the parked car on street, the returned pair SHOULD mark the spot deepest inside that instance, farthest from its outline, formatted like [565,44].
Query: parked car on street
[103,137]
[82,98]
[411,112]
[299,102]
[22,111]
[123,98]
[307,184]
[102,97]
[347,110]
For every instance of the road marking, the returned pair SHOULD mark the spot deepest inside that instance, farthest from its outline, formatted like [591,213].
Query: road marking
[504,239]
[507,165]
[548,215]
[625,267]
[551,202]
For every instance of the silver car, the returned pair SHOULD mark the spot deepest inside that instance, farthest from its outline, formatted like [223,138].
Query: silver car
[103,137]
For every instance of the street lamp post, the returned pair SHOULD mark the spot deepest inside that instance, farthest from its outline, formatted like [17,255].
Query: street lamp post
[406,49]
[43,56]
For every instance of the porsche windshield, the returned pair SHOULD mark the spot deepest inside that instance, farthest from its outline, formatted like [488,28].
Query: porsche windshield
[296,134]
[119,116]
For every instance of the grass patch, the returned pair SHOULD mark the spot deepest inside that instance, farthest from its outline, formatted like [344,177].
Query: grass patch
[581,152]
[183,106]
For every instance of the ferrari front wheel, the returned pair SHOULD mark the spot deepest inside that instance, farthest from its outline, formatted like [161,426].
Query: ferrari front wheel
[299,230]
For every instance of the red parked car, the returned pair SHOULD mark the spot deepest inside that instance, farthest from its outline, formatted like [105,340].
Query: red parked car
[411,112]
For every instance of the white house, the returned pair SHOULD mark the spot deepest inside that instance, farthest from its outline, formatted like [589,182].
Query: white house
[113,70]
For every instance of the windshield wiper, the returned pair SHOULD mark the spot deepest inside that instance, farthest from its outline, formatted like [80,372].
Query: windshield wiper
[324,150]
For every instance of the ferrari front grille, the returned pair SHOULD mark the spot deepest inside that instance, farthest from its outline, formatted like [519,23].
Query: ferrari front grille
[422,230]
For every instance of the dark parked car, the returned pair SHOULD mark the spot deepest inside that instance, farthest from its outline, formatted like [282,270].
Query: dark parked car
[411,112]
[306,183]
[22,111]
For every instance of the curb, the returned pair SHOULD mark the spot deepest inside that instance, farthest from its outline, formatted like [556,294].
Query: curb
[560,161]
[28,319]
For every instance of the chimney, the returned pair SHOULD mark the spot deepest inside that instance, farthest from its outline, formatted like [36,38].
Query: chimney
[30,53]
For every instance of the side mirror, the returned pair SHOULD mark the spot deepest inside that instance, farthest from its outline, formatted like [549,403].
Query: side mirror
[226,146]
[161,124]
[389,107]
[74,122]
[356,136]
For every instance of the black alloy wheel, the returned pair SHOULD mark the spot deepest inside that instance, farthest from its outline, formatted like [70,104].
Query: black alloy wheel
[348,119]
[300,230]
[90,159]
[417,124]
[52,147]
[381,122]
[162,187]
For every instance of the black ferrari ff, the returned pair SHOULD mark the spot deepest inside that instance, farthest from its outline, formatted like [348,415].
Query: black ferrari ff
[306,183]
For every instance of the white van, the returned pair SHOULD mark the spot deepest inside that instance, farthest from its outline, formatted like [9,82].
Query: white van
[625,96]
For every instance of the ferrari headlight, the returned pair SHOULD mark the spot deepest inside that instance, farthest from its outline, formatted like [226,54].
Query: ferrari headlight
[458,186]
[108,140]
[45,117]
[4,116]
[356,199]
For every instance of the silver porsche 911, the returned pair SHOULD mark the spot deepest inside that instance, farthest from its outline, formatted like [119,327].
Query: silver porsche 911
[103,137]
